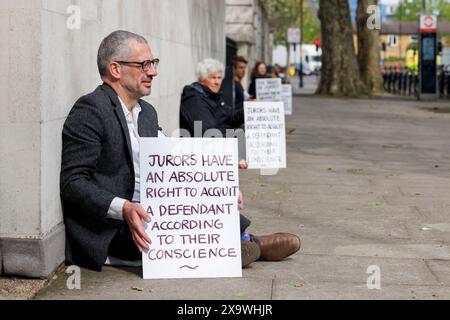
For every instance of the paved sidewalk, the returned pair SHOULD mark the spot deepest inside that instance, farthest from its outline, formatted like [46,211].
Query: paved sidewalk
[367,184]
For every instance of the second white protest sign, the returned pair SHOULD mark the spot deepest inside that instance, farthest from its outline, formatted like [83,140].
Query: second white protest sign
[265,134]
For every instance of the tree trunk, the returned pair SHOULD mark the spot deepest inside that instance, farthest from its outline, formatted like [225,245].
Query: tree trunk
[340,72]
[368,47]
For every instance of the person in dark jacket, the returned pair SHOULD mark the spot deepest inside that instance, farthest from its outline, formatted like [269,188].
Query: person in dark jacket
[239,70]
[202,102]
[258,72]
[233,91]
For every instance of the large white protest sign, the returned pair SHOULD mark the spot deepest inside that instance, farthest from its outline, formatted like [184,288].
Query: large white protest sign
[265,134]
[190,189]
[287,99]
[269,89]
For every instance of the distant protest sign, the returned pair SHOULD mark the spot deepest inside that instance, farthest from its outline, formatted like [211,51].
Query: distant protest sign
[265,135]
[269,89]
[190,189]
[287,98]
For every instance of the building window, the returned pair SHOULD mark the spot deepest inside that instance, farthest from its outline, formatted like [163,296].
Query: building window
[392,40]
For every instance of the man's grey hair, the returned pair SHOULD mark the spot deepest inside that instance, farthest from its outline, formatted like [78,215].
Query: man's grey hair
[115,47]
[207,67]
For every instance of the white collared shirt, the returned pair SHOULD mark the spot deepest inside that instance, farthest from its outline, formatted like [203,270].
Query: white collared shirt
[116,207]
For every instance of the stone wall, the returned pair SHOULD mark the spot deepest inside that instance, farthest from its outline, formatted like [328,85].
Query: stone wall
[46,64]
[247,23]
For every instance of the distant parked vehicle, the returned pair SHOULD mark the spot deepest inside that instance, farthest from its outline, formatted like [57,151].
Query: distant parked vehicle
[312,58]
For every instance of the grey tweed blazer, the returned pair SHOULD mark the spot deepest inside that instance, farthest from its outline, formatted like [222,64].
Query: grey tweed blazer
[97,166]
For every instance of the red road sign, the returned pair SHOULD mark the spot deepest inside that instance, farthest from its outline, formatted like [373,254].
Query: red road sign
[428,23]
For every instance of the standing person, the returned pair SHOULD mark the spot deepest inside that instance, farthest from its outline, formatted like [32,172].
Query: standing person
[239,70]
[258,72]
[202,104]
[99,180]
[240,95]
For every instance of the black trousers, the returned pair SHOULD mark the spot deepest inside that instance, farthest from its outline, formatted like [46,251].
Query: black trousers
[123,247]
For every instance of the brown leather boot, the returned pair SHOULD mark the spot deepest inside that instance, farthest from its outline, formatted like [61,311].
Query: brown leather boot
[277,246]
[250,252]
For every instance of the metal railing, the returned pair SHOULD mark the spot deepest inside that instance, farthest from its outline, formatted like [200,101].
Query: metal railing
[404,83]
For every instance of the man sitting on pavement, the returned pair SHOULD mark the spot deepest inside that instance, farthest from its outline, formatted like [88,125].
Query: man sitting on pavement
[100,175]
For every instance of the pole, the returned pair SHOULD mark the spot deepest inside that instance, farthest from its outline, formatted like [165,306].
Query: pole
[400,32]
[301,45]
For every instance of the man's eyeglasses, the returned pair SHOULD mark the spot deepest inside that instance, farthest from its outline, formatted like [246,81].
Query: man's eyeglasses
[145,65]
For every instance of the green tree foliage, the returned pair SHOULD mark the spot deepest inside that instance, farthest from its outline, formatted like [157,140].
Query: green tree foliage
[409,10]
[285,14]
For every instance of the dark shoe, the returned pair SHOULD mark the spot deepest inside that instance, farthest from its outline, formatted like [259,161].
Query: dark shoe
[250,252]
[277,246]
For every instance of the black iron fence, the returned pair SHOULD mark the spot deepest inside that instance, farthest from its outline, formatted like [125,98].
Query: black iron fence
[406,83]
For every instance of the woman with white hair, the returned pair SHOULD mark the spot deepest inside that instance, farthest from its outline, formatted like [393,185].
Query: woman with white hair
[203,101]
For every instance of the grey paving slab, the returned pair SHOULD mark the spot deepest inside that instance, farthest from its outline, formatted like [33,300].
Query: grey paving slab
[127,284]
[438,192]
[441,270]
[315,269]
[416,200]
[408,251]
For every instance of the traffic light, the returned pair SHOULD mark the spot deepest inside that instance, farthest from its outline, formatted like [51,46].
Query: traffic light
[439,47]
[317,43]
[383,46]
